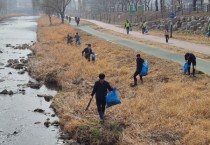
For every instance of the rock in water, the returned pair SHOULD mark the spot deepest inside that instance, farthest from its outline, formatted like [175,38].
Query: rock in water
[34,85]
[8,45]
[4,92]
[47,123]
[39,110]
[1,51]
[64,136]
[10,92]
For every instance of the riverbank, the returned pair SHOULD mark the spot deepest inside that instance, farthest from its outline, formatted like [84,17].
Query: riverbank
[168,108]
[6,16]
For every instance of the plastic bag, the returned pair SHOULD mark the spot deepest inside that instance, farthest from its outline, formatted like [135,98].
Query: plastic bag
[78,41]
[112,98]
[186,66]
[130,29]
[146,30]
[145,69]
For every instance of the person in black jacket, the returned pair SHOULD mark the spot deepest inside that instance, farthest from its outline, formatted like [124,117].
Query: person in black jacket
[190,58]
[100,89]
[139,64]
[88,52]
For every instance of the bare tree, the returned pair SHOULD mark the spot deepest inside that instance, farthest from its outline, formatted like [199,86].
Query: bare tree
[48,9]
[3,6]
[147,3]
[194,5]
[156,5]
[59,6]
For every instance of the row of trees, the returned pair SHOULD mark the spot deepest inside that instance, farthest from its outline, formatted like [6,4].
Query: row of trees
[3,6]
[58,7]
[124,5]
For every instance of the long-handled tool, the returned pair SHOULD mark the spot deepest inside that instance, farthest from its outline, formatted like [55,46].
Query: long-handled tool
[89,103]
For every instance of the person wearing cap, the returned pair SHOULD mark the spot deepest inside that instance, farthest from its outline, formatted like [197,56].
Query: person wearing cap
[100,90]
[87,52]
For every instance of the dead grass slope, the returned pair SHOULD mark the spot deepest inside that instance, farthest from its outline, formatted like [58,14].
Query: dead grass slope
[169,108]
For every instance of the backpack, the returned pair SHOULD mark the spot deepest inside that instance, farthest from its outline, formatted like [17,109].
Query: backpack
[145,69]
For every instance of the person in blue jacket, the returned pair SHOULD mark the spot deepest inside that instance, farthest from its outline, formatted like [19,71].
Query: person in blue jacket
[100,89]
[139,64]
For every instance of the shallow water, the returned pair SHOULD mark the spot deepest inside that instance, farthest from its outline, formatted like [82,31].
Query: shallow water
[16,112]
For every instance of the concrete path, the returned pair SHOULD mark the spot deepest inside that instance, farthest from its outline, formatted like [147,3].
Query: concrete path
[174,42]
[202,65]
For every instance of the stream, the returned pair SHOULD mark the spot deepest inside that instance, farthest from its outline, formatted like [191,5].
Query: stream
[19,124]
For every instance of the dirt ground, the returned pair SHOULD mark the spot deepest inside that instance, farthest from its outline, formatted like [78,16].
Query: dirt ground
[169,108]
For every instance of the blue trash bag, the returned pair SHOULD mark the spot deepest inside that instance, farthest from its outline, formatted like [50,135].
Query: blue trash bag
[78,41]
[146,30]
[186,66]
[130,28]
[93,56]
[112,98]
[145,69]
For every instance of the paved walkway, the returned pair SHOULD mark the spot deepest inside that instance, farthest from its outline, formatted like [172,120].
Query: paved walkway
[174,42]
[202,65]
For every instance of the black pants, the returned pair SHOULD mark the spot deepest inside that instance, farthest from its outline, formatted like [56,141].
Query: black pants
[127,30]
[167,37]
[101,107]
[209,34]
[87,57]
[135,75]
[143,30]
[193,65]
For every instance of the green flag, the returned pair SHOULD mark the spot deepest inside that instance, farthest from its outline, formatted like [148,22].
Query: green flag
[132,9]
[141,10]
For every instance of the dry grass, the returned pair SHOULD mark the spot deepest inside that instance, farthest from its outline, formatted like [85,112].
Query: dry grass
[199,39]
[169,108]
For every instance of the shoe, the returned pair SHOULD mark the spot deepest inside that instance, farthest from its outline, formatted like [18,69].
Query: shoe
[134,85]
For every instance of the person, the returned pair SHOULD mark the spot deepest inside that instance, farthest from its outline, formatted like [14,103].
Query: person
[209,31]
[77,39]
[69,19]
[166,35]
[190,58]
[143,27]
[87,51]
[69,39]
[139,64]
[78,20]
[127,26]
[100,89]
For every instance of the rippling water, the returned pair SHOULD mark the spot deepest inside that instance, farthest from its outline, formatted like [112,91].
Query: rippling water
[16,112]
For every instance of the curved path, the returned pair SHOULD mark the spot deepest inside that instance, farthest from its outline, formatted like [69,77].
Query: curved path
[202,65]
[174,42]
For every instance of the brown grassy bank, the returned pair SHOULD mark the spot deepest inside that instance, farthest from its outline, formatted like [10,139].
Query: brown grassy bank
[169,108]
